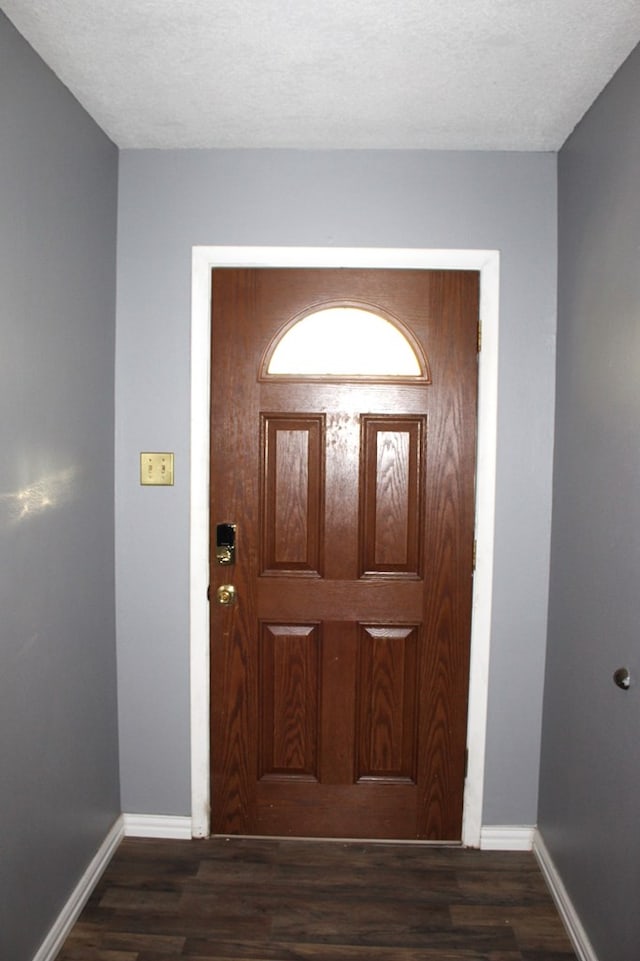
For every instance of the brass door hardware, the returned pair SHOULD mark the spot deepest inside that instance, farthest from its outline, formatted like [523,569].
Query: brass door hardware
[226,544]
[226,594]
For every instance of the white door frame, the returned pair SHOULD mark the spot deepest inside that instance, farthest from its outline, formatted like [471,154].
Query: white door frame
[204,259]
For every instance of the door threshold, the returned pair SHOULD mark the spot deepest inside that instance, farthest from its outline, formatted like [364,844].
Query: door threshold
[415,842]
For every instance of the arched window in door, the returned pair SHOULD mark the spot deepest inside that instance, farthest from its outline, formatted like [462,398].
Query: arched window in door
[345,342]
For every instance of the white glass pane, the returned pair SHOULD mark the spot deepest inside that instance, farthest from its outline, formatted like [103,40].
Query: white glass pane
[343,341]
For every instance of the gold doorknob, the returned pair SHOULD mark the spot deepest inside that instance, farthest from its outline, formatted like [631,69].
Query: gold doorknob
[226,594]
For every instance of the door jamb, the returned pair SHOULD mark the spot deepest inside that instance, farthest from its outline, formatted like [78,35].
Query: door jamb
[204,259]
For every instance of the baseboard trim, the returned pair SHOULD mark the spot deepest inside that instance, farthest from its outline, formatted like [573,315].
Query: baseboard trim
[507,837]
[497,837]
[80,895]
[577,934]
[157,826]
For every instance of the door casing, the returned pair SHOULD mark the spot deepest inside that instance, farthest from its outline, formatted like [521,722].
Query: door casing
[204,259]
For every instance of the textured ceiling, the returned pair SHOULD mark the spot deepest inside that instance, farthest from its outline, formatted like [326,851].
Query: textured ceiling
[438,74]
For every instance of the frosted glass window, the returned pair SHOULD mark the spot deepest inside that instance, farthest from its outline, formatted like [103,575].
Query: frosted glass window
[344,341]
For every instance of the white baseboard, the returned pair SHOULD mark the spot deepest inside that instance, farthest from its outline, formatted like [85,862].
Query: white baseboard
[577,934]
[156,826]
[507,837]
[127,825]
[497,837]
[80,895]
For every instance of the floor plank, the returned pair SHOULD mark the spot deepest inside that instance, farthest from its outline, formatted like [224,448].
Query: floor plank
[242,899]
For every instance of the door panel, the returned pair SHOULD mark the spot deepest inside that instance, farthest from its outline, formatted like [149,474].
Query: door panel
[391,492]
[340,677]
[293,486]
[386,696]
[290,664]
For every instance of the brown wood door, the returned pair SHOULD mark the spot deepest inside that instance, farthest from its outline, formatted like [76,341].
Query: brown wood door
[339,678]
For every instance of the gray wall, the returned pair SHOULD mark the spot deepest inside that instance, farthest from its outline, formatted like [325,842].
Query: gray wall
[172,200]
[590,776]
[59,791]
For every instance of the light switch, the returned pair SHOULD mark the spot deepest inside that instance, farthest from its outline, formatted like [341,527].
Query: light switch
[156,468]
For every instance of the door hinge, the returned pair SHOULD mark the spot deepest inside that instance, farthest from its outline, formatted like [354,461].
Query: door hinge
[474,554]
[466,761]
[208,592]
[479,340]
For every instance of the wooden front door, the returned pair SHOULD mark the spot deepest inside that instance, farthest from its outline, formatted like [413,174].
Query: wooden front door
[339,676]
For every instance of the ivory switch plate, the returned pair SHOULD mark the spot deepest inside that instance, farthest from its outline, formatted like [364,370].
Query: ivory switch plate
[156,468]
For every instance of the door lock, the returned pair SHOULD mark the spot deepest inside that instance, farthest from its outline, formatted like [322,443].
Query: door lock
[226,594]
[226,544]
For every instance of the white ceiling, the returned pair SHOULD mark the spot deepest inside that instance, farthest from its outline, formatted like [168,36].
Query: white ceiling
[402,74]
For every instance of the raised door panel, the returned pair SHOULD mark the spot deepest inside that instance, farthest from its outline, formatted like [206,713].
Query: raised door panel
[392,464]
[387,720]
[289,679]
[292,493]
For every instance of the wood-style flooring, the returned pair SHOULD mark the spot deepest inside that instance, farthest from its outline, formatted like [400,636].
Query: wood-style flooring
[273,900]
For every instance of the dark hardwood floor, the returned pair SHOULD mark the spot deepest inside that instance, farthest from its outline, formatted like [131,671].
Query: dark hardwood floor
[272,900]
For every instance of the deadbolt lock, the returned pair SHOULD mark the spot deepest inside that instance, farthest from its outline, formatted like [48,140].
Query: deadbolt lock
[226,594]
[225,544]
